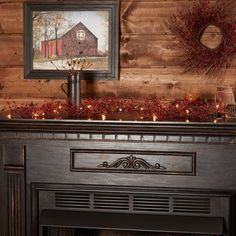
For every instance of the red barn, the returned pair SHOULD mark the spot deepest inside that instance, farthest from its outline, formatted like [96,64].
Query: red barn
[79,40]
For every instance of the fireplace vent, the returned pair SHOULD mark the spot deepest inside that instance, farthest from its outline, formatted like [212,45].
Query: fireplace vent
[72,200]
[154,203]
[133,202]
[106,201]
[191,205]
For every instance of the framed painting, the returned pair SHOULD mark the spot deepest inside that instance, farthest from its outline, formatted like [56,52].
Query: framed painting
[59,37]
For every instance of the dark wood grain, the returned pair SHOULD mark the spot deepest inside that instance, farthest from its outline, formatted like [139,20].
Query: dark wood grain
[120,127]
[48,146]
[2,225]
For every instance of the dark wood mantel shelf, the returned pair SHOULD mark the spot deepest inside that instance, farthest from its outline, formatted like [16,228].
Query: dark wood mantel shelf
[131,127]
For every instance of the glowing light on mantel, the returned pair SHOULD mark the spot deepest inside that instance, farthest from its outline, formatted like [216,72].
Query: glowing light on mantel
[154,118]
[103,117]
[9,116]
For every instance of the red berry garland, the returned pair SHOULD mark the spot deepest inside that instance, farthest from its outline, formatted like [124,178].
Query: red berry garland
[156,109]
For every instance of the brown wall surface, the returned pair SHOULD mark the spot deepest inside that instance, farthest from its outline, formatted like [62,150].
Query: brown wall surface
[149,58]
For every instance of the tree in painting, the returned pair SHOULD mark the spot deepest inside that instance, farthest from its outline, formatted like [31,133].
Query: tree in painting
[56,19]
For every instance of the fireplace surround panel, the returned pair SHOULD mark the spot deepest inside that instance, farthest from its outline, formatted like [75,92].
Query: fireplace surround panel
[92,178]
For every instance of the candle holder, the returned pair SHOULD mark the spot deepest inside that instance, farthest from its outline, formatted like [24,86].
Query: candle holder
[73,90]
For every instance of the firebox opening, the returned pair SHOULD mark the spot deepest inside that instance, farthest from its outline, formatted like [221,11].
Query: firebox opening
[60,231]
[132,222]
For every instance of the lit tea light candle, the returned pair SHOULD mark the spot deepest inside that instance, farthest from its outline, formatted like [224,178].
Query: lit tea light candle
[187,121]
[154,118]
[103,117]
[9,116]
[141,109]
[54,111]
[217,106]
[187,111]
[120,109]
[60,107]
[177,105]
[43,114]
[215,121]
[89,106]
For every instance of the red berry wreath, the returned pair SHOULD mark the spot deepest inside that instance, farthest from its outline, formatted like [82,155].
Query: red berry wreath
[189,26]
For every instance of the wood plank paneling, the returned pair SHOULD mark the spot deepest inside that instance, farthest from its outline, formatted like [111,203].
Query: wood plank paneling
[11,48]
[11,14]
[144,17]
[140,82]
[149,57]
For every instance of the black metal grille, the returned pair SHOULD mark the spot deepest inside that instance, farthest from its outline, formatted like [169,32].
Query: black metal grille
[111,201]
[191,205]
[133,202]
[72,200]
[151,203]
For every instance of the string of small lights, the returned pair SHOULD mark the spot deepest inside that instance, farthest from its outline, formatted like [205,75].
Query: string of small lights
[149,109]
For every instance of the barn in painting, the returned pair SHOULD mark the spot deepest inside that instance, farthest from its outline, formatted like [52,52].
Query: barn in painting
[79,40]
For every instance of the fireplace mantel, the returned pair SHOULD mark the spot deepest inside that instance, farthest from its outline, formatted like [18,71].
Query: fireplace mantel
[130,127]
[43,162]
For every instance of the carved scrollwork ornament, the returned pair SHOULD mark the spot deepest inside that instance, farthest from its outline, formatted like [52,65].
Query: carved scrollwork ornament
[206,35]
[132,163]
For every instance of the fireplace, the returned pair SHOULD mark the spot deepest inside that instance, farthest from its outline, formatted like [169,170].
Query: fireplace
[122,179]
[127,210]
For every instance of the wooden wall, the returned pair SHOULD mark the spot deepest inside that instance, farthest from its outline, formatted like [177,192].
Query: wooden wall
[149,58]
